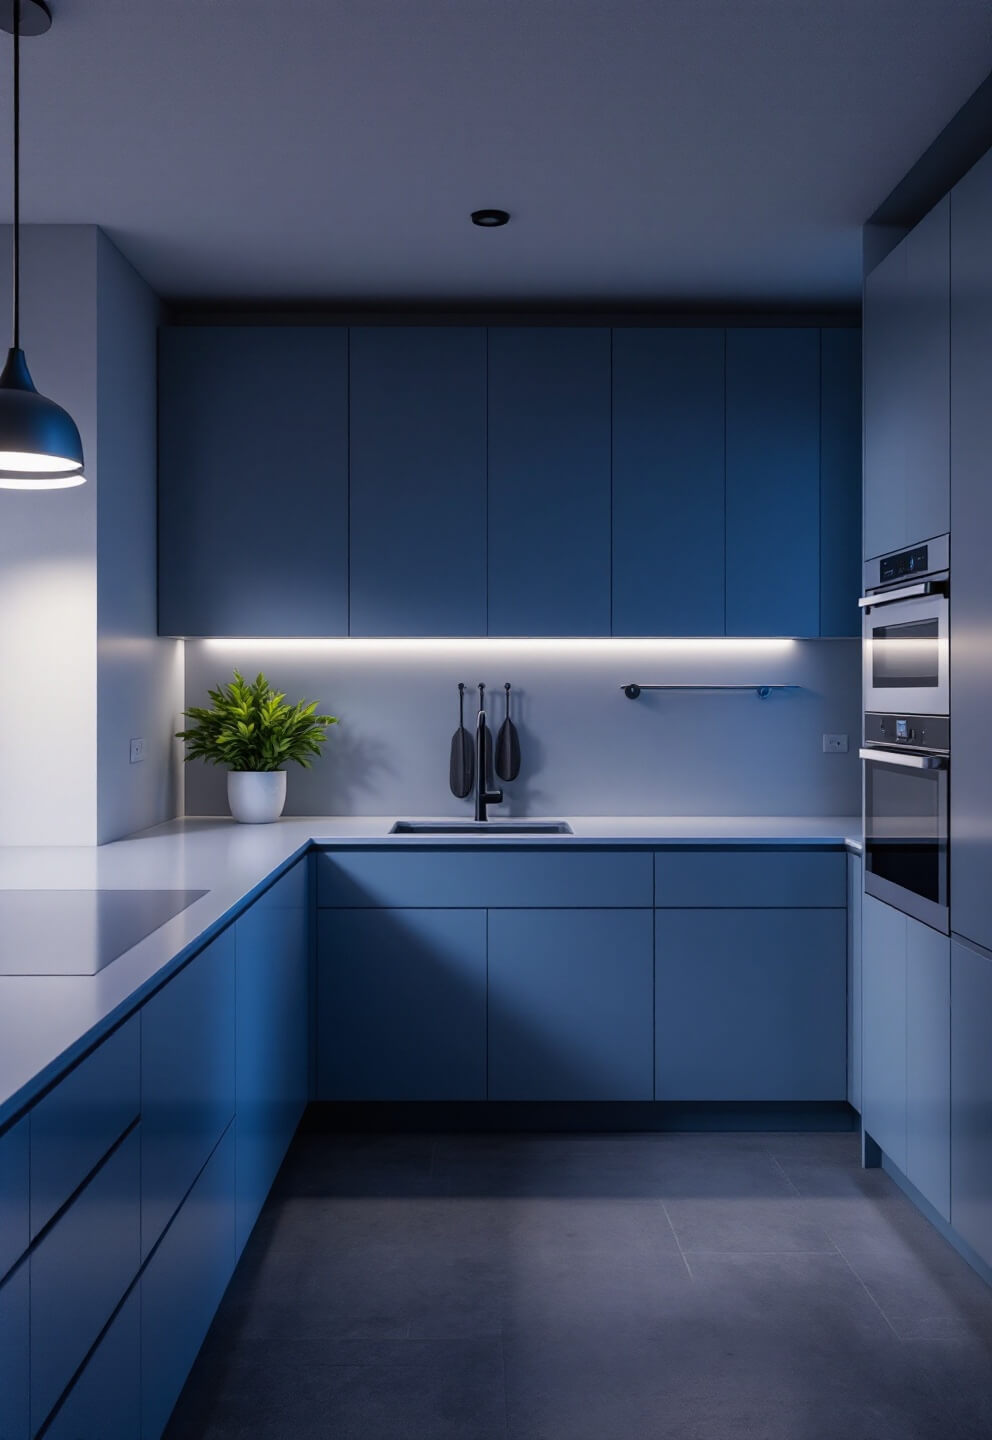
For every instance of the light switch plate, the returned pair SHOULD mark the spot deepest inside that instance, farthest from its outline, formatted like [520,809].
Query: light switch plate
[138,751]
[835,744]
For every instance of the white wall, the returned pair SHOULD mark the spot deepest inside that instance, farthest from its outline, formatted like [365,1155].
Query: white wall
[82,668]
[139,675]
[587,750]
[48,715]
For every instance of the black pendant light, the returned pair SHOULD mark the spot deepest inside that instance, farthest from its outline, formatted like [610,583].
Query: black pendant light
[40,448]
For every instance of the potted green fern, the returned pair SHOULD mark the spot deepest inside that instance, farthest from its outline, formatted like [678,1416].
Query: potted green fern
[249,729]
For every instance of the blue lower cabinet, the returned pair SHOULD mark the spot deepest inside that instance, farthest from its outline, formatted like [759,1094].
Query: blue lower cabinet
[105,1401]
[14,1195]
[570,1005]
[14,1355]
[78,1121]
[401,1005]
[928,1064]
[183,1284]
[971,1097]
[272,1072]
[883,999]
[80,1270]
[187,1080]
[751,1005]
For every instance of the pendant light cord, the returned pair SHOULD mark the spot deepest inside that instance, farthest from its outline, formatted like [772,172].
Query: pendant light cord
[17,174]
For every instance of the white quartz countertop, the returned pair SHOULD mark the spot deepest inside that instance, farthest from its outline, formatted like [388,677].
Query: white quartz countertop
[46,1021]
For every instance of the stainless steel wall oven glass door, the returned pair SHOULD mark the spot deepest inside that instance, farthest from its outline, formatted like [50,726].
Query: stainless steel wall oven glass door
[906,817]
[905,631]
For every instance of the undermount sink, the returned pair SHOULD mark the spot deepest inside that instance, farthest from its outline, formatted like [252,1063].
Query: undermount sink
[481,827]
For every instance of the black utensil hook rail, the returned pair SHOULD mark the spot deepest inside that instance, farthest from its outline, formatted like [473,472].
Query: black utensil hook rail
[632,690]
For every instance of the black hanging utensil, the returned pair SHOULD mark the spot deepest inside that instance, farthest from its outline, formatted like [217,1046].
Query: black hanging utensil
[507,745]
[487,768]
[462,769]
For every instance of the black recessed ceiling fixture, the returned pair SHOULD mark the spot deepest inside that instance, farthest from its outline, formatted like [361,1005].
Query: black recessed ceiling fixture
[40,448]
[490,219]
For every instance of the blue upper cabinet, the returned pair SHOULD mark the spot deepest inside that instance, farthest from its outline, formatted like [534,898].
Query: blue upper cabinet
[549,481]
[773,482]
[840,481]
[907,391]
[253,481]
[418,481]
[668,482]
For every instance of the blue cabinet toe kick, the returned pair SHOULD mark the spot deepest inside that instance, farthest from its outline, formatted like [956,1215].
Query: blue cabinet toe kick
[622,1116]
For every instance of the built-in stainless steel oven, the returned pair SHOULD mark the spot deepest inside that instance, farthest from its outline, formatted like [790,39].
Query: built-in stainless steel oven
[905,627]
[907,774]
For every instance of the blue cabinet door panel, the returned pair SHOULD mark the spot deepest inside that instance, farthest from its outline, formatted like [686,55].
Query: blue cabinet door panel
[549,481]
[104,1403]
[182,1286]
[479,878]
[855,891]
[253,480]
[14,1194]
[773,482]
[15,1333]
[80,1271]
[746,877]
[418,480]
[883,996]
[907,389]
[75,1124]
[668,482]
[273,993]
[751,1005]
[971,1097]
[570,1005]
[840,481]
[971,447]
[928,1064]
[187,1080]
[401,1005]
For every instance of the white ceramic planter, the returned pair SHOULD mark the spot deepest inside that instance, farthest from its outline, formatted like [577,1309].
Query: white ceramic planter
[256,797]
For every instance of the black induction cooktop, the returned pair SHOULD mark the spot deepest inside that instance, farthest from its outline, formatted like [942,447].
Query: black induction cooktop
[79,932]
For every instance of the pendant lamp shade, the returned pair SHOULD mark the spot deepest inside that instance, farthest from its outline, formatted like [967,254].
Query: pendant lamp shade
[40,448]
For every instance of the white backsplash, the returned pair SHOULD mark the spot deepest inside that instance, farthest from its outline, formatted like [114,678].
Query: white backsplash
[586,748]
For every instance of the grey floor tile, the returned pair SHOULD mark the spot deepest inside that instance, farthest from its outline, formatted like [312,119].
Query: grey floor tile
[301,1390]
[746,1224]
[534,1287]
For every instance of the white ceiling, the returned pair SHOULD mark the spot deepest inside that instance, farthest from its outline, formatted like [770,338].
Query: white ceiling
[330,150]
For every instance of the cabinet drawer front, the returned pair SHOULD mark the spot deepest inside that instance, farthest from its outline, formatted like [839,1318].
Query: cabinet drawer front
[104,1403]
[740,879]
[13,1195]
[14,1355]
[75,1125]
[187,1080]
[481,879]
[182,1286]
[80,1271]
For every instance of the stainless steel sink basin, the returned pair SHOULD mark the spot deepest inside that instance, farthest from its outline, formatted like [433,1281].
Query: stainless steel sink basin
[481,827]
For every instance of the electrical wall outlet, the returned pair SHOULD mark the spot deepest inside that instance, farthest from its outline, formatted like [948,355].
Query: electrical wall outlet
[139,751]
[835,744]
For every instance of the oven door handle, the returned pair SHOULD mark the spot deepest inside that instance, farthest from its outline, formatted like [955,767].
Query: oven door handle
[904,592]
[911,762]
